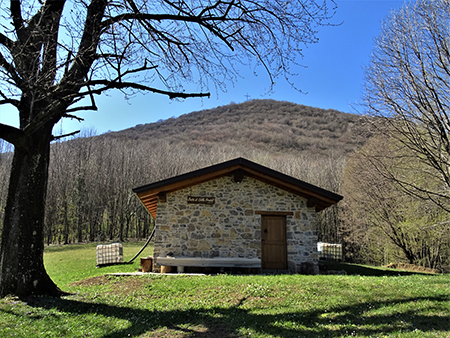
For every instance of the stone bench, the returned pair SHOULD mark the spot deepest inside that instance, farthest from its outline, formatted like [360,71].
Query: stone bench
[220,262]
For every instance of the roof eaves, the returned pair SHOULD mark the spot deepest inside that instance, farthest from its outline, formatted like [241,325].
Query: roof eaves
[190,175]
[318,197]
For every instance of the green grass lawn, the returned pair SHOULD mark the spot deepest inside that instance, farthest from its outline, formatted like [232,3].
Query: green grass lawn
[375,303]
[69,263]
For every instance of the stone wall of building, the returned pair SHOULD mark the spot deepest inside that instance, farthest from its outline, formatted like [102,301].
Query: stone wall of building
[231,227]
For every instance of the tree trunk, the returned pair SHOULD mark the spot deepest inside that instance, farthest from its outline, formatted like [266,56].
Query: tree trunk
[21,257]
[80,227]
[65,220]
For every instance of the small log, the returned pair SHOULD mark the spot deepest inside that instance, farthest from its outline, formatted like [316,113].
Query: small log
[146,264]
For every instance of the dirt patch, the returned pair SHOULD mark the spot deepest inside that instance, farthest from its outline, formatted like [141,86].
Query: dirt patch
[122,285]
[411,267]
[92,281]
[215,330]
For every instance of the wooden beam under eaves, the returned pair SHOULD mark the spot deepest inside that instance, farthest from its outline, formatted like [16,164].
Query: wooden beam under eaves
[162,197]
[238,175]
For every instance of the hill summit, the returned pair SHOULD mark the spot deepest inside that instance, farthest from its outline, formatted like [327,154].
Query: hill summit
[273,126]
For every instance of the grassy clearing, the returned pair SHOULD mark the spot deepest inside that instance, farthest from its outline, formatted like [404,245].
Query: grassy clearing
[416,305]
[69,263]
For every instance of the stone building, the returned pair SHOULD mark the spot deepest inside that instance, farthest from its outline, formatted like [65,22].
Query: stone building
[236,214]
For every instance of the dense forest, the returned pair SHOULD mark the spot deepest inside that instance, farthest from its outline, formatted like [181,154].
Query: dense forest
[89,197]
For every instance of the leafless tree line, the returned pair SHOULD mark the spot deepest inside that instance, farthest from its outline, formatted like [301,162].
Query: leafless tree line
[89,198]
[380,222]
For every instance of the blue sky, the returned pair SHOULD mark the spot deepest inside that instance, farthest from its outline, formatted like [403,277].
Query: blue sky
[333,77]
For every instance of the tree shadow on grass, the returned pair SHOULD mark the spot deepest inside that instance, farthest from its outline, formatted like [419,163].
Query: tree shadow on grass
[362,319]
[355,269]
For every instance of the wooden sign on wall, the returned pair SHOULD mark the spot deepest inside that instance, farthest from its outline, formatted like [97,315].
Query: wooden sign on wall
[201,200]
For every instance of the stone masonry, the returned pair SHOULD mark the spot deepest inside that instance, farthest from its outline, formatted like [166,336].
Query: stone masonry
[231,227]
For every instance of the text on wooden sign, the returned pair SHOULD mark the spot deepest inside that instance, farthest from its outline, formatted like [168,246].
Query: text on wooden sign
[201,200]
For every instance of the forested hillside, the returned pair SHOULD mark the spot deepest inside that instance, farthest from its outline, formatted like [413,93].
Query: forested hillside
[267,125]
[91,176]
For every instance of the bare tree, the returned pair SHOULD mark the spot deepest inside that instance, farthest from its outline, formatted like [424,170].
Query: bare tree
[380,220]
[55,53]
[408,85]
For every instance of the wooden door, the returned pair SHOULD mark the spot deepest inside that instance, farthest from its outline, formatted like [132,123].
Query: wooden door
[273,242]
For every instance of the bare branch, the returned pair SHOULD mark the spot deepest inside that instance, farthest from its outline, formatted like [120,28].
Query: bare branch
[55,138]
[122,85]
[7,100]
[156,17]
[71,110]
[52,11]
[89,41]
[10,69]
[13,135]
[15,103]
[5,41]
[16,15]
